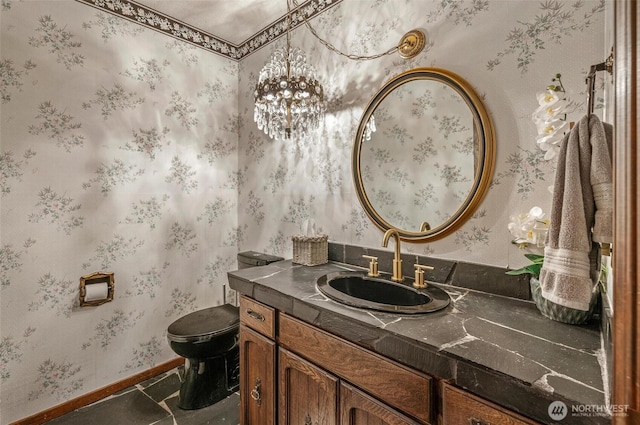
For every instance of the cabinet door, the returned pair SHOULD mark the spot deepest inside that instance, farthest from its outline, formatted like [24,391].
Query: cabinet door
[257,378]
[308,394]
[404,389]
[461,407]
[358,408]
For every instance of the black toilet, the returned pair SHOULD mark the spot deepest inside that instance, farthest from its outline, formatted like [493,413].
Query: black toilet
[208,340]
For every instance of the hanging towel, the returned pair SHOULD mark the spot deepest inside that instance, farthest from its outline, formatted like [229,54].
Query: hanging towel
[581,215]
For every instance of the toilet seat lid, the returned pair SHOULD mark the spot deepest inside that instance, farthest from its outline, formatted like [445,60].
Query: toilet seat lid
[208,322]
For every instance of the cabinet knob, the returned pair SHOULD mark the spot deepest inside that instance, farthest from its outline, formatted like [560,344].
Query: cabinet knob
[307,420]
[255,392]
[255,315]
[476,421]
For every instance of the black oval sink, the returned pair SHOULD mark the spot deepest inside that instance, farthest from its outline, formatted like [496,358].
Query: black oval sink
[359,290]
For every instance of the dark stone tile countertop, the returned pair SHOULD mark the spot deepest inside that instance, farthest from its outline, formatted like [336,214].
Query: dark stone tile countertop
[496,347]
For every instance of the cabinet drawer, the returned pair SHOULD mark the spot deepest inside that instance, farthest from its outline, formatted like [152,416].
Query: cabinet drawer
[463,408]
[398,386]
[257,316]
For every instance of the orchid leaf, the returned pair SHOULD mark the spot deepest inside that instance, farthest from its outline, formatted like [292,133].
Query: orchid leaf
[535,258]
[532,269]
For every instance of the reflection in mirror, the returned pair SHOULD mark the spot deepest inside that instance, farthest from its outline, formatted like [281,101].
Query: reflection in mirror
[430,165]
[423,158]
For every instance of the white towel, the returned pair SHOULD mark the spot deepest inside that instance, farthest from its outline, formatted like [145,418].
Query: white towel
[581,214]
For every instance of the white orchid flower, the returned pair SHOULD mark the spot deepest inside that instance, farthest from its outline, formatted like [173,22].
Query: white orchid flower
[551,147]
[521,226]
[551,153]
[551,111]
[547,97]
[550,139]
[546,128]
[550,119]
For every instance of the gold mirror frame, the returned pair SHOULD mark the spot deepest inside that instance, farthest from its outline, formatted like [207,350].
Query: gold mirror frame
[486,153]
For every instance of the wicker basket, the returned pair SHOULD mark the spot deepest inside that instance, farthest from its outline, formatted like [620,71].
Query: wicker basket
[310,250]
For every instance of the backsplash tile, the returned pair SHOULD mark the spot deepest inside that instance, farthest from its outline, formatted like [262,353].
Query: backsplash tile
[456,273]
[491,279]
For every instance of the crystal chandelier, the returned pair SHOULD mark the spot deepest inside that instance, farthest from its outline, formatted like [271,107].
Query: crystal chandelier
[289,100]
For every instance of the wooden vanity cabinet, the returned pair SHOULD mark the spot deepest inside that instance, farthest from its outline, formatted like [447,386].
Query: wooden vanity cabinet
[292,373]
[320,379]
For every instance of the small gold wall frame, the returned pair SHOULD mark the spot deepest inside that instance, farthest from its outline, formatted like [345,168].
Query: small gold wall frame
[92,279]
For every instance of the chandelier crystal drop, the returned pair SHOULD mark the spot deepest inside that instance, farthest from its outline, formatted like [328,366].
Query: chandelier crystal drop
[370,128]
[289,99]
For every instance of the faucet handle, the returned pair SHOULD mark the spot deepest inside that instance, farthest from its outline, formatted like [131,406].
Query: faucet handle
[373,265]
[419,276]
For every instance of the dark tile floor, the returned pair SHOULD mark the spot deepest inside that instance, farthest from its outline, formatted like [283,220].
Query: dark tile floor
[153,402]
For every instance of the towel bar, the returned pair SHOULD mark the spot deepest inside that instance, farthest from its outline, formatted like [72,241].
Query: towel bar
[607,65]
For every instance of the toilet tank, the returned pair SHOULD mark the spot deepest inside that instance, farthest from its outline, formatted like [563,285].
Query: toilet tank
[252,259]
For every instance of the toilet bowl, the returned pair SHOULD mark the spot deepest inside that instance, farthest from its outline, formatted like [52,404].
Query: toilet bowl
[208,340]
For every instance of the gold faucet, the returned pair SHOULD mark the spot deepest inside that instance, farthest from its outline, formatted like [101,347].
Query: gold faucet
[397,261]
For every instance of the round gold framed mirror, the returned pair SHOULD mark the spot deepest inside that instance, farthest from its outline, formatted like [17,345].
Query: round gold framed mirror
[423,155]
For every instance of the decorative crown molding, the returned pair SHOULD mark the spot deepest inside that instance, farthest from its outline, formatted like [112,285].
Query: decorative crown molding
[145,16]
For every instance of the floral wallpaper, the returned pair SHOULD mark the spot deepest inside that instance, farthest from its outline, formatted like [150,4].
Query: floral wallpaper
[118,153]
[506,50]
[126,150]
